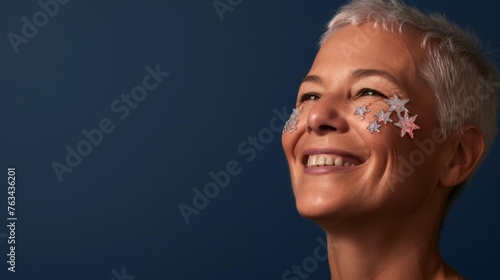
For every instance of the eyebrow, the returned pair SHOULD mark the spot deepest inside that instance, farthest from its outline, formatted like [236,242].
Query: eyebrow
[359,74]
[311,79]
[364,73]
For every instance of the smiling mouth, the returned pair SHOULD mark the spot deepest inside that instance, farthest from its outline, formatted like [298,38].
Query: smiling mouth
[329,160]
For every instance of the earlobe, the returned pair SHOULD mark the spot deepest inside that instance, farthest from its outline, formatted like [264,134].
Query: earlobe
[466,154]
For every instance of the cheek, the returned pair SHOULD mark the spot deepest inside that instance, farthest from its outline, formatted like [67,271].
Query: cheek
[290,138]
[386,147]
[287,143]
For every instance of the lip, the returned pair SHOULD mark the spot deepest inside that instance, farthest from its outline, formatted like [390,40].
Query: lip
[347,156]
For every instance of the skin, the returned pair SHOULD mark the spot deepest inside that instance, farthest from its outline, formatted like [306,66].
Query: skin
[377,226]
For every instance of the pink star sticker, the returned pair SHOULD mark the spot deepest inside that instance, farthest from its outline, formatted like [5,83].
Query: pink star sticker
[407,125]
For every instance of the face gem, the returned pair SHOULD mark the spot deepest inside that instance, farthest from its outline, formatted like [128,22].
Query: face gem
[407,125]
[397,104]
[361,111]
[291,124]
[383,116]
[373,126]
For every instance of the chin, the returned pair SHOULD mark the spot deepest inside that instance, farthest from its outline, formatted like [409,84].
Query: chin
[316,205]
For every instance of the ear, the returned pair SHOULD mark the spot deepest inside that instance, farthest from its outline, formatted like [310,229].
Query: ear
[466,151]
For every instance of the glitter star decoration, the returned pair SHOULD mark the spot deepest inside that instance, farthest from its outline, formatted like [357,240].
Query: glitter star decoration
[383,116]
[361,111]
[407,124]
[396,104]
[291,123]
[373,126]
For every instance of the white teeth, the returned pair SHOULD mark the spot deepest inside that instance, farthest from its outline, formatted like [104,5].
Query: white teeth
[321,160]
[312,161]
[326,160]
[329,161]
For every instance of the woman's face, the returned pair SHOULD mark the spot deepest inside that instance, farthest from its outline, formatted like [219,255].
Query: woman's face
[363,66]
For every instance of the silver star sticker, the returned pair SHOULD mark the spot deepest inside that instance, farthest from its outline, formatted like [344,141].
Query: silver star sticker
[291,124]
[373,126]
[397,104]
[361,111]
[384,116]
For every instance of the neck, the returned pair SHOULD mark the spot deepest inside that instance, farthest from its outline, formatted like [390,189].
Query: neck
[387,249]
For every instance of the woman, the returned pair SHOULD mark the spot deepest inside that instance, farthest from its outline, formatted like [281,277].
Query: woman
[392,120]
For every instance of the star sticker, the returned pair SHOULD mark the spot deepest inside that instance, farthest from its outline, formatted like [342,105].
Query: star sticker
[397,104]
[361,111]
[291,124]
[383,116]
[407,125]
[373,126]
[296,112]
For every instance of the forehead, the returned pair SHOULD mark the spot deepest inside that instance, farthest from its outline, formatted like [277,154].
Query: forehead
[368,47]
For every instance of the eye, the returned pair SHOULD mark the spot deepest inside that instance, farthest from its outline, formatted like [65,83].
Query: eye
[370,92]
[309,96]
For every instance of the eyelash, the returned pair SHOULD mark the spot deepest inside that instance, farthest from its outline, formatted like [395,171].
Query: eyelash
[309,96]
[365,91]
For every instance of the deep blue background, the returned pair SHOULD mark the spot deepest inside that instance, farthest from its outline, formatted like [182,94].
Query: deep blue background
[119,207]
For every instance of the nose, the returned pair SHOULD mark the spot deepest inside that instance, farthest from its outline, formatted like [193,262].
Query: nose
[326,116]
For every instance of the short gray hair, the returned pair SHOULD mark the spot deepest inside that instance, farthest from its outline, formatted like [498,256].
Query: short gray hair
[455,68]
